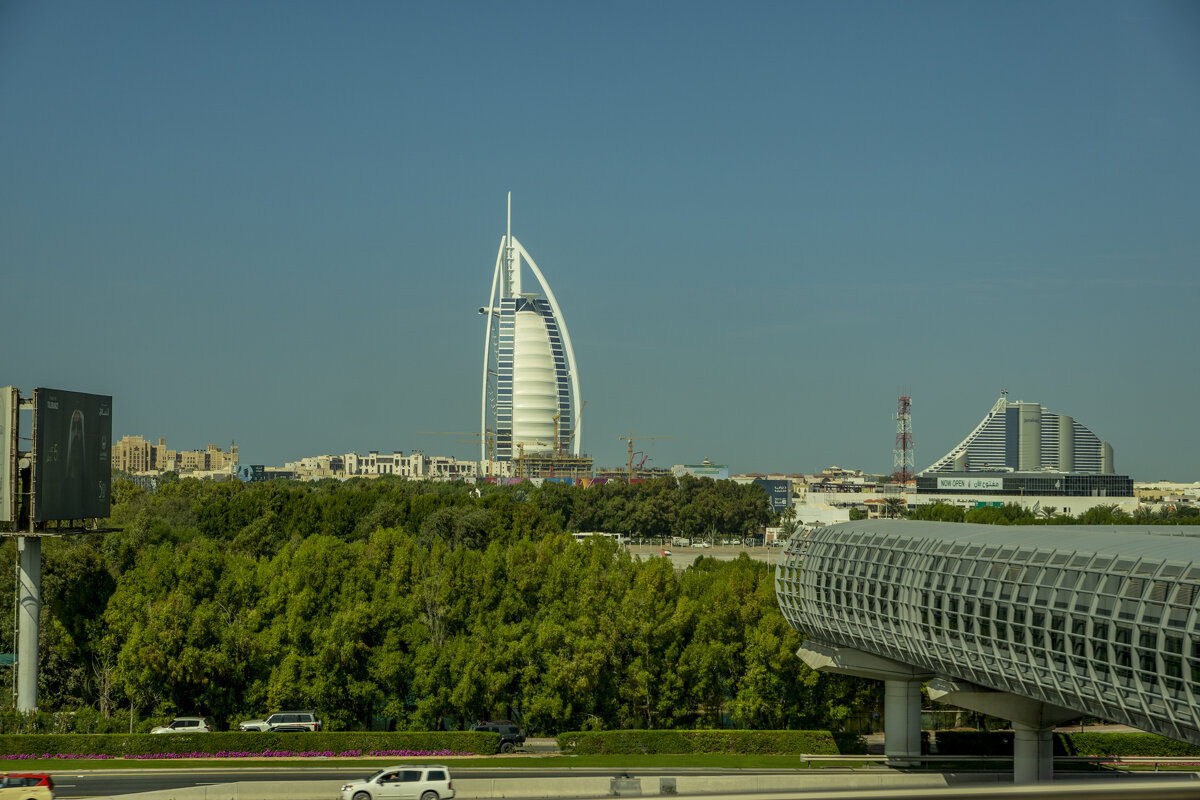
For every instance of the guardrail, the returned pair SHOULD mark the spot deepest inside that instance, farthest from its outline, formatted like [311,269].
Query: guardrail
[1156,761]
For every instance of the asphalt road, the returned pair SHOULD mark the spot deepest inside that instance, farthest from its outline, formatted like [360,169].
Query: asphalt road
[109,783]
[683,557]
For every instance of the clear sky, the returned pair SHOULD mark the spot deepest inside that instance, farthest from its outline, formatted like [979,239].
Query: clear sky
[273,222]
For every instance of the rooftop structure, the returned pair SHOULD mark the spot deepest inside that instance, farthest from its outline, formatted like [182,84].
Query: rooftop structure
[530,396]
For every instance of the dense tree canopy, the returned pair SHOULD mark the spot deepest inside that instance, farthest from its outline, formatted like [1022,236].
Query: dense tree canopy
[427,605]
[1014,514]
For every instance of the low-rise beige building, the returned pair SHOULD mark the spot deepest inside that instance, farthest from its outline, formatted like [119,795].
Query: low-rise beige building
[135,454]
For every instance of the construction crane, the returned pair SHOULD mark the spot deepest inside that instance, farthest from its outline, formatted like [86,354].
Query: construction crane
[560,447]
[630,438]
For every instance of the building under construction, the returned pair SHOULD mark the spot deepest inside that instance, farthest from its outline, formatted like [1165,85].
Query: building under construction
[548,465]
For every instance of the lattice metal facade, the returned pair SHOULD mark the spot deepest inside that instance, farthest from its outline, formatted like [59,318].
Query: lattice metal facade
[1099,619]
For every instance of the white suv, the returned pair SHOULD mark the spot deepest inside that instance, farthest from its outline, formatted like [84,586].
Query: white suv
[186,725]
[294,720]
[405,782]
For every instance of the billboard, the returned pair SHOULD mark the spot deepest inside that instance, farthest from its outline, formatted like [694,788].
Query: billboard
[779,492]
[72,466]
[252,473]
[972,484]
[9,402]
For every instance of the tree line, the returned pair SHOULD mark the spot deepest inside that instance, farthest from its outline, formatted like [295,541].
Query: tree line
[426,606]
[1014,514]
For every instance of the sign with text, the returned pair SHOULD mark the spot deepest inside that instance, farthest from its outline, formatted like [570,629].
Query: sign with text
[72,467]
[9,402]
[972,484]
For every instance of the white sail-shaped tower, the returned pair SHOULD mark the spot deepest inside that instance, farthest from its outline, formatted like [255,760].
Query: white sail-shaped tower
[530,398]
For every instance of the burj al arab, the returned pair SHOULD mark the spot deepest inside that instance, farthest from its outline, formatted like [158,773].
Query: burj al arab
[530,397]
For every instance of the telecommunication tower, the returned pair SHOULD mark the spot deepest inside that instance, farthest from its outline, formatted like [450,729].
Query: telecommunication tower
[902,460]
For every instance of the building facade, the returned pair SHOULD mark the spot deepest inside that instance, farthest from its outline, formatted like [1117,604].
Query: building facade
[134,454]
[1026,437]
[413,467]
[530,395]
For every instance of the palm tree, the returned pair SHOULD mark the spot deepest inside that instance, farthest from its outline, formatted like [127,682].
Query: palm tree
[893,507]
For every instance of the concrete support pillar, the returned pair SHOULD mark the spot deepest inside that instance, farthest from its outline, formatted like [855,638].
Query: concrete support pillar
[1033,723]
[1033,753]
[902,722]
[29,606]
[901,699]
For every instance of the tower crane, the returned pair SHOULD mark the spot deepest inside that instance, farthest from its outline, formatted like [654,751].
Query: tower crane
[630,438]
[562,447]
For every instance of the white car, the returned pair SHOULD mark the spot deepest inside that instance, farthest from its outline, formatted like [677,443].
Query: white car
[404,782]
[290,720]
[186,725]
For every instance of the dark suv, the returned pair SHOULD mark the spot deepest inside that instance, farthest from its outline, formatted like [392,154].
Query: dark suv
[511,737]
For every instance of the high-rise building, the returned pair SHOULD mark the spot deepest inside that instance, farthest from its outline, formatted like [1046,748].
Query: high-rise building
[1026,437]
[530,397]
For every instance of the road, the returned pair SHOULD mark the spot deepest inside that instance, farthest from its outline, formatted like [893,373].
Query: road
[683,557]
[106,783]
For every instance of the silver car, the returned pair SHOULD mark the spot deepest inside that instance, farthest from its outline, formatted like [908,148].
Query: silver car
[292,719]
[404,782]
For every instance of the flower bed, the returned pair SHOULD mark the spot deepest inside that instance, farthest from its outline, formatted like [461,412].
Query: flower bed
[239,754]
[247,745]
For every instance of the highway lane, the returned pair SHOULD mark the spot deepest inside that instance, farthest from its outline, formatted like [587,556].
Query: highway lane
[105,783]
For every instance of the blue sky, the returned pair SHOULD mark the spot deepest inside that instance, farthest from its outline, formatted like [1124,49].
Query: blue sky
[272,222]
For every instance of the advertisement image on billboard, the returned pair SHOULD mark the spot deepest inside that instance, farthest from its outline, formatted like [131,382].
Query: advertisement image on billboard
[9,401]
[72,466]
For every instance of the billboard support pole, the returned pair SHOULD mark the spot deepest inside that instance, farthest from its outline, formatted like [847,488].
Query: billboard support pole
[29,593]
[29,603]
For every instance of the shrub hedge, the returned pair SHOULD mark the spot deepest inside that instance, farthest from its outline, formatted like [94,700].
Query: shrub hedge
[1000,743]
[711,741]
[1122,744]
[144,744]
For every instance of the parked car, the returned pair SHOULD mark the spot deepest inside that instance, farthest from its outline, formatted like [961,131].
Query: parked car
[186,725]
[405,782]
[27,786]
[511,736]
[306,719]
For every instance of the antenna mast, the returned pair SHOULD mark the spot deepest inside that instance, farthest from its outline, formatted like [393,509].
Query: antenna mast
[903,468]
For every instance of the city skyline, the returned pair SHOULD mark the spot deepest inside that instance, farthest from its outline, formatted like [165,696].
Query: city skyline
[267,223]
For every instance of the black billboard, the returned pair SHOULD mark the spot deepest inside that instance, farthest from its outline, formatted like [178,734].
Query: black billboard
[780,492]
[72,465]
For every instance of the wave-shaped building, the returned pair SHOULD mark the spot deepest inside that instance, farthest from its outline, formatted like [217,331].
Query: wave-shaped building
[1027,437]
[1024,450]
[530,403]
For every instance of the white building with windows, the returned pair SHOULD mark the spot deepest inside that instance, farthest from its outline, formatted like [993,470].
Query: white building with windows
[1027,437]
[530,395]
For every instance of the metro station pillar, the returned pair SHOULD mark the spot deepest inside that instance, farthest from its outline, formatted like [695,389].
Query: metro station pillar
[901,700]
[1033,753]
[29,606]
[1033,723]
[902,722]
